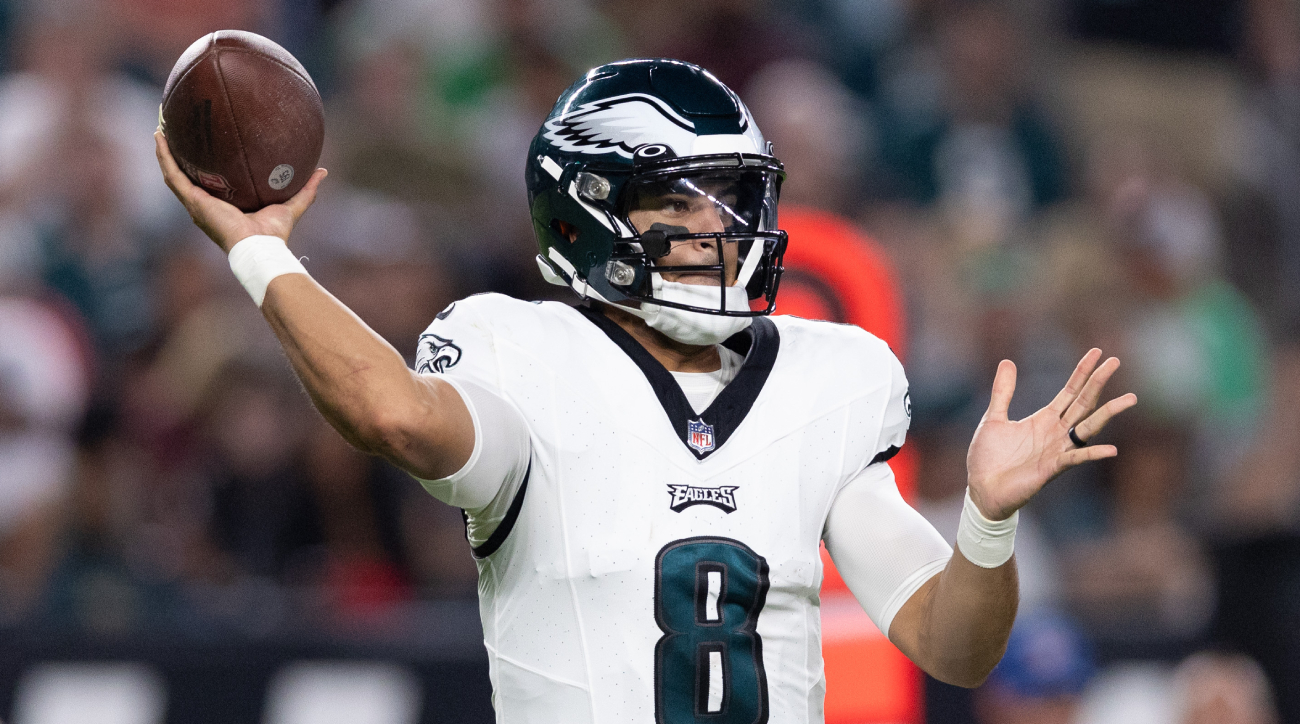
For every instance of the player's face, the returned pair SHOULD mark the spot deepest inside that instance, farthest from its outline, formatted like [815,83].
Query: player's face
[697,206]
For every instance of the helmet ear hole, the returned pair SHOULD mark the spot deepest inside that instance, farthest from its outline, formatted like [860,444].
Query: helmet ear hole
[566,230]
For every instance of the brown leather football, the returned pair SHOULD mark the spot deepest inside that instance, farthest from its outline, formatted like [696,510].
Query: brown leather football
[243,119]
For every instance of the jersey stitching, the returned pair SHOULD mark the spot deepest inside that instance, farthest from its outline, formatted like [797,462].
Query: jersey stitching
[496,600]
[844,459]
[825,517]
[539,672]
[507,523]
[568,568]
[493,648]
[826,514]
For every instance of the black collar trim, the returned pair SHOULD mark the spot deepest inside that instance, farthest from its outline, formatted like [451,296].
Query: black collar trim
[759,344]
[507,523]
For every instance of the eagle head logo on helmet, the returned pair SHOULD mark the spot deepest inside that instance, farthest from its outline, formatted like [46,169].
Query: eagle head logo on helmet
[622,128]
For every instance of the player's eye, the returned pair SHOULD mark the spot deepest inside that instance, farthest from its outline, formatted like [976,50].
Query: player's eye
[675,205]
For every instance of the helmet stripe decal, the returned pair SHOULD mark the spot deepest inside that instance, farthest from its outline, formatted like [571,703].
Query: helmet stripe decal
[601,216]
[550,166]
[561,262]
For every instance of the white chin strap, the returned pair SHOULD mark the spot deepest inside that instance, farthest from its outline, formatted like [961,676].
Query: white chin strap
[694,327]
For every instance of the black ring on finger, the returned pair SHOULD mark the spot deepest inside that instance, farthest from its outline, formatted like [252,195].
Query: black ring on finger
[1074,438]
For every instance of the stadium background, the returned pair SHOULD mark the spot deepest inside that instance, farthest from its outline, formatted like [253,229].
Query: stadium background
[183,539]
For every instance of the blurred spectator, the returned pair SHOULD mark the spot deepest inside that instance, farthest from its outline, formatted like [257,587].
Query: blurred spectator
[94,255]
[107,579]
[821,132]
[1205,687]
[1146,580]
[988,155]
[80,201]
[1224,689]
[373,252]
[430,127]
[1262,494]
[732,38]
[855,35]
[1269,258]
[44,386]
[436,550]
[263,514]
[154,33]
[394,132]
[1169,234]
[1256,520]
[66,93]
[359,502]
[1196,347]
[500,113]
[1042,677]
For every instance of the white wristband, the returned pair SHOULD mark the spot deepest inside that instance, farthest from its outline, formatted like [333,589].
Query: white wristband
[259,259]
[986,543]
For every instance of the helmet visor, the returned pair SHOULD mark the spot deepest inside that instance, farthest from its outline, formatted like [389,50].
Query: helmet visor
[710,201]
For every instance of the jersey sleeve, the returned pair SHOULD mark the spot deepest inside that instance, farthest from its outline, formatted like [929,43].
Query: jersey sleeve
[897,414]
[459,349]
[459,344]
[882,547]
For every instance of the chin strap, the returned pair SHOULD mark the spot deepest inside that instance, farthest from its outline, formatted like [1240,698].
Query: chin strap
[689,327]
[681,325]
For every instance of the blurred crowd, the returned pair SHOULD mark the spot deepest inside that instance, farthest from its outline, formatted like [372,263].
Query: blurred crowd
[1045,176]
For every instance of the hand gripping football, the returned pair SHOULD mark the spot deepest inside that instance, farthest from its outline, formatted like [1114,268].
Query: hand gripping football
[243,119]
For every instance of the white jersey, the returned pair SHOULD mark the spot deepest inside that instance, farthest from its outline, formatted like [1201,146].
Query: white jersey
[645,563]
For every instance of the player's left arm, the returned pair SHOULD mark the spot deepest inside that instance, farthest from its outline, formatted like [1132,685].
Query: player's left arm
[956,625]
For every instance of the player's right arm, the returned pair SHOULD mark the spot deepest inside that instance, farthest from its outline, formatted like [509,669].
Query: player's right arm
[355,378]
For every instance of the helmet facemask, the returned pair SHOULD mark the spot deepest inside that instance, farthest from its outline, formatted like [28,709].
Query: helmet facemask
[726,204]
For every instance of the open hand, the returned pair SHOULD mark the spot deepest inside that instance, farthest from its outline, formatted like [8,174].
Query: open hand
[1009,461]
[224,223]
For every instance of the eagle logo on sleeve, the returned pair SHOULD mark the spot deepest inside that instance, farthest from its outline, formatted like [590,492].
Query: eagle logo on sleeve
[439,354]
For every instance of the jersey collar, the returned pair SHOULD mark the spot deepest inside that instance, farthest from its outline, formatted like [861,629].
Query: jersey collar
[759,344]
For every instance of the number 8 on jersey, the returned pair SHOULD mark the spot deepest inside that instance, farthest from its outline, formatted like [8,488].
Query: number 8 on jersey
[709,662]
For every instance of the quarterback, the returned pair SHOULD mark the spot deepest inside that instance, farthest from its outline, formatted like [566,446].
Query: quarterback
[647,477]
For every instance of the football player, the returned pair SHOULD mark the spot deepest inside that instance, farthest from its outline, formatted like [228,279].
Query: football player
[646,477]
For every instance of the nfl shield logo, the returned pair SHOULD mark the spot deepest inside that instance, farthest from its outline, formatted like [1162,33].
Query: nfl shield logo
[699,435]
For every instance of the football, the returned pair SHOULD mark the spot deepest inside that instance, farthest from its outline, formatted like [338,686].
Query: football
[243,119]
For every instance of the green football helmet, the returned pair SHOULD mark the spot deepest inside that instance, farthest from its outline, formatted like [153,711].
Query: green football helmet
[640,128]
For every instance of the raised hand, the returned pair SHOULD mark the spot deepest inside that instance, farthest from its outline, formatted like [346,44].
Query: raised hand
[224,223]
[1009,461]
